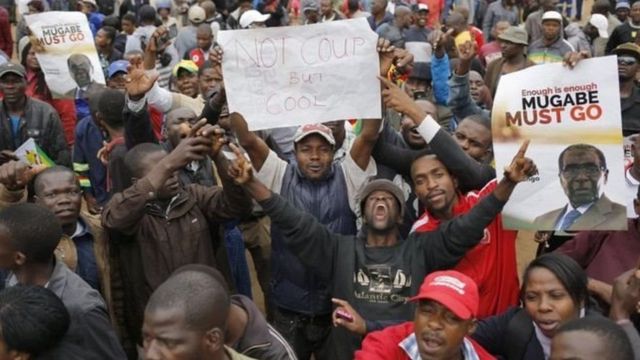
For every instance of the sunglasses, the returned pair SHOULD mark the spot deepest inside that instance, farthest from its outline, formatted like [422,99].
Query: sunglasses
[627,60]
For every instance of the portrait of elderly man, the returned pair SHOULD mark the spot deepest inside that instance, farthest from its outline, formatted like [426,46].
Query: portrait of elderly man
[583,174]
[81,71]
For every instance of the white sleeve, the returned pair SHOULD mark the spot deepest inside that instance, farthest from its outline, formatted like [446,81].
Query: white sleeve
[272,172]
[428,128]
[160,98]
[356,178]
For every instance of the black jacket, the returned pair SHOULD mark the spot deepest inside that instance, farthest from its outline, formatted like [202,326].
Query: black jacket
[40,122]
[376,281]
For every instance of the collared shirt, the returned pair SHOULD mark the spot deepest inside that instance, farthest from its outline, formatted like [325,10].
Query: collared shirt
[87,266]
[410,346]
[581,209]
[540,53]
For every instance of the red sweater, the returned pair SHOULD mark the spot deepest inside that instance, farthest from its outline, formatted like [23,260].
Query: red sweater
[384,344]
[492,263]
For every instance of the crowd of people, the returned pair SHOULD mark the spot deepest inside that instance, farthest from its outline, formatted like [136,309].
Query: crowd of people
[370,238]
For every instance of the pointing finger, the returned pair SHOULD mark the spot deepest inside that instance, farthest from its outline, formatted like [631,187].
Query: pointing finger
[523,149]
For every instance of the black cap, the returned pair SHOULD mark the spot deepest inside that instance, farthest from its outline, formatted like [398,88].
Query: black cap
[12,68]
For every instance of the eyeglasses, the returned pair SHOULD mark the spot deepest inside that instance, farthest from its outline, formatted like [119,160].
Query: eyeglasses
[588,169]
[627,60]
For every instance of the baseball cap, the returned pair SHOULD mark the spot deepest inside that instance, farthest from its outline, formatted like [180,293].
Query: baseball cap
[515,35]
[188,65]
[12,68]
[552,15]
[629,49]
[423,7]
[118,66]
[309,5]
[196,14]
[92,2]
[454,290]
[623,5]
[252,16]
[306,130]
[381,185]
[163,4]
[601,23]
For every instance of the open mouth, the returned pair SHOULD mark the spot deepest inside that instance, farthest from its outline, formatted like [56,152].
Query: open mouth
[548,325]
[431,343]
[380,211]
[435,196]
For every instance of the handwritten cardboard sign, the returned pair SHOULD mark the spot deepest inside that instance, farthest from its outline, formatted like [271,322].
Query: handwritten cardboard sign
[69,60]
[572,118]
[287,76]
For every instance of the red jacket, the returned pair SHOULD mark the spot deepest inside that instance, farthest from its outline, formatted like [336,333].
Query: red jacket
[384,344]
[6,42]
[492,263]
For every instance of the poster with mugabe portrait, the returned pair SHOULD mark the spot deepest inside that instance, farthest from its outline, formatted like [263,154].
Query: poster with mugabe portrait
[572,119]
[66,53]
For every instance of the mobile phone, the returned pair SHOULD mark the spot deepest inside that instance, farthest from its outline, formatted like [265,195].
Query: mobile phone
[344,315]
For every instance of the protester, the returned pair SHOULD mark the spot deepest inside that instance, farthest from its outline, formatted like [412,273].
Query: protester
[90,8]
[622,11]
[248,332]
[596,31]
[186,38]
[6,42]
[491,50]
[156,195]
[554,291]
[190,309]
[445,317]
[107,53]
[502,10]
[29,235]
[627,32]
[327,12]
[33,321]
[417,36]
[551,47]
[139,38]
[377,283]
[23,117]
[628,56]
[379,14]
[513,43]
[591,338]
[200,53]
[38,89]
[311,11]
[394,31]
[533,23]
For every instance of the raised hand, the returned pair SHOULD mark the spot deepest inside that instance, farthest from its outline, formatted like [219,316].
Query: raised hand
[521,167]
[215,55]
[397,99]
[240,169]
[355,324]
[189,149]
[15,175]
[385,54]
[467,51]
[138,83]
[7,155]
[217,136]
[625,299]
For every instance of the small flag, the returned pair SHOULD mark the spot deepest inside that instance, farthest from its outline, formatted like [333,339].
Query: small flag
[32,154]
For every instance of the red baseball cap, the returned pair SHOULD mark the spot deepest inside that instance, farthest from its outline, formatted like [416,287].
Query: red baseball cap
[455,290]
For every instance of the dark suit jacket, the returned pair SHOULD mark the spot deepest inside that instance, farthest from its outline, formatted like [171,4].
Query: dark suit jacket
[603,215]
[93,87]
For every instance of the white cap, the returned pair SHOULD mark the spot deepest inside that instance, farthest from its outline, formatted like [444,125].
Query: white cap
[552,15]
[601,23]
[92,2]
[422,6]
[197,14]
[252,16]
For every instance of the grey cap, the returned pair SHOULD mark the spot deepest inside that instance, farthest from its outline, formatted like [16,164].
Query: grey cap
[515,35]
[12,68]
[381,185]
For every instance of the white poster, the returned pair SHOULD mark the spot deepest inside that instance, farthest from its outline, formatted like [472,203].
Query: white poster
[286,76]
[68,58]
[572,118]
